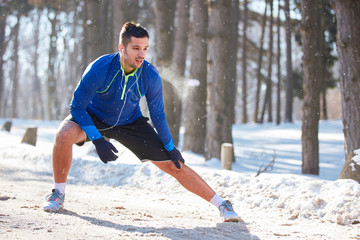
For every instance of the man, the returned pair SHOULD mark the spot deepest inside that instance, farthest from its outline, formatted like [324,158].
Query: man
[106,103]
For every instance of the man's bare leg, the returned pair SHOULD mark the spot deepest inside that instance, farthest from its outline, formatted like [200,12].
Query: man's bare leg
[68,134]
[188,178]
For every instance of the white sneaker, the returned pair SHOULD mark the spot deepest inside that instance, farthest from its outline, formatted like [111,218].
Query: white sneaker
[54,201]
[228,213]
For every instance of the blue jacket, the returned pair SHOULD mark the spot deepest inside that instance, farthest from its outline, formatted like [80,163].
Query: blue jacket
[114,97]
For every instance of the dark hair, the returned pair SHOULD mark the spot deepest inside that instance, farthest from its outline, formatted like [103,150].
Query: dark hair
[130,29]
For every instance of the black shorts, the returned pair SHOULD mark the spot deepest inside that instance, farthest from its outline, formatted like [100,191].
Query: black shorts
[139,137]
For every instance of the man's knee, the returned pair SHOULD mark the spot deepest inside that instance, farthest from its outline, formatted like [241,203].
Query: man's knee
[69,133]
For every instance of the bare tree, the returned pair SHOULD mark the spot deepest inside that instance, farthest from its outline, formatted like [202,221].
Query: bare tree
[327,21]
[181,37]
[15,75]
[268,93]
[218,121]
[278,88]
[38,102]
[3,17]
[164,24]
[119,18]
[53,110]
[105,27]
[348,48]
[179,54]
[322,66]
[233,57]
[92,40]
[195,114]
[311,81]
[259,76]
[289,78]
[123,11]
[244,65]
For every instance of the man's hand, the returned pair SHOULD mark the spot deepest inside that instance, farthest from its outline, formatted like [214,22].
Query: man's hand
[105,150]
[175,156]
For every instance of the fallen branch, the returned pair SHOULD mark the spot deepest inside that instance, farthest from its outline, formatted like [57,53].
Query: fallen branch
[269,167]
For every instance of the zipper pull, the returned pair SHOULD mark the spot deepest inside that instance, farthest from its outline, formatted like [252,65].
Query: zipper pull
[123,92]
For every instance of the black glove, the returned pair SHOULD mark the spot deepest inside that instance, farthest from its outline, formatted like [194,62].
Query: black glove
[105,150]
[175,156]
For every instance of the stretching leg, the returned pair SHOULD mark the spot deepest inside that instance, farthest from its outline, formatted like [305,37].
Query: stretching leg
[188,178]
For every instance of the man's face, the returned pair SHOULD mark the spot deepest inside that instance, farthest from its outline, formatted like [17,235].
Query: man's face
[133,55]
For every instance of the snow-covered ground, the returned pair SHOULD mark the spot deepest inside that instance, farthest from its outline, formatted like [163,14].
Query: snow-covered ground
[283,192]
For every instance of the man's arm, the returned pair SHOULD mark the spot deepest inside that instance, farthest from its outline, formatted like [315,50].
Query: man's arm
[83,94]
[155,103]
[157,114]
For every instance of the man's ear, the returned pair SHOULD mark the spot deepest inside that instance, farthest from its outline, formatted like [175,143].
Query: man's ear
[121,48]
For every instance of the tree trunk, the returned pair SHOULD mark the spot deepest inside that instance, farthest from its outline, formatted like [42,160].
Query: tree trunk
[92,40]
[38,112]
[322,76]
[271,53]
[233,50]
[123,11]
[289,77]
[244,66]
[278,92]
[15,77]
[348,48]
[218,121]
[3,16]
[181,36]
[268,94]
[351,169]
[179,58]
[195,118]
[311,82]
[84,35]
[53,110]
[164,22]
[259,65]
[324,105]
[105,28]
[119,18]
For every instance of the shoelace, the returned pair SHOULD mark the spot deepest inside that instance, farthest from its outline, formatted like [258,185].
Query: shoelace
[227,205]
[52,196]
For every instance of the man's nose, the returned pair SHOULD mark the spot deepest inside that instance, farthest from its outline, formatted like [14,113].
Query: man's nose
[141,53]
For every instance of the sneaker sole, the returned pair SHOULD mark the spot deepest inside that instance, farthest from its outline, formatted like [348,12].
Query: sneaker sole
[234,220]
[53,210]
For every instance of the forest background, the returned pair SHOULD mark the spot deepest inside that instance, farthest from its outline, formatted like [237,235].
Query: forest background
[222,62]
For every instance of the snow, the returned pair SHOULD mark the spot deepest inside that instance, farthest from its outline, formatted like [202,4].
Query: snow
[282,190]
[356,160]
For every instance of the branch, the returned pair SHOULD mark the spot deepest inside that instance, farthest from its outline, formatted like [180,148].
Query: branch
[269,167]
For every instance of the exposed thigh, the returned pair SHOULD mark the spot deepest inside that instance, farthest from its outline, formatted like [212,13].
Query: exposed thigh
[169,167]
